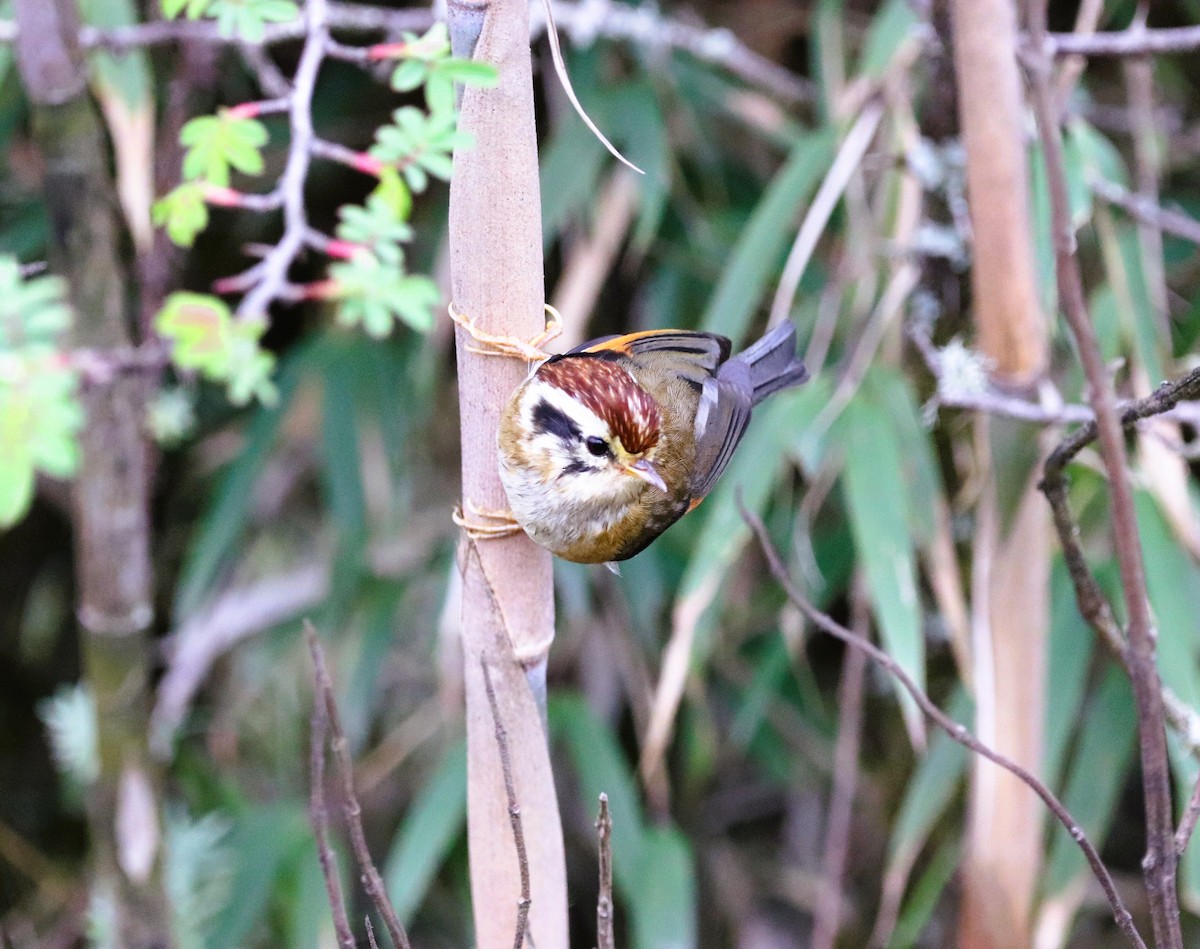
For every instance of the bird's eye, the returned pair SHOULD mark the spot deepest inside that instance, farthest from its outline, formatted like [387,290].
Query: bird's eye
[597,445]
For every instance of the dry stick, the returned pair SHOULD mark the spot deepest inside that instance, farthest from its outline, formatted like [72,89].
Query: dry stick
[514,809]
[1093,604]
[1159,864]
[275,266]
[604,902]
[1187,823]
[370,933]
[1132,42]
[960,733]
[845,777]
[318,816]
[1147,212]
[372,882]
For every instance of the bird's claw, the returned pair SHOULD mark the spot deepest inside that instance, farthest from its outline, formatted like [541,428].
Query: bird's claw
[530,350]
[483,523]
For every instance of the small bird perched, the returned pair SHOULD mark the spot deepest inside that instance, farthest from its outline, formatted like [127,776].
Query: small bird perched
[605,447]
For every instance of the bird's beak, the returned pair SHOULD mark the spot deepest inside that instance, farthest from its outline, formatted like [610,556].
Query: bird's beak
[648,473]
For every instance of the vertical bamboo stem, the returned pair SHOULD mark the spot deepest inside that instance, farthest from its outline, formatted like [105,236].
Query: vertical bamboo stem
[1012,543]
[111,492]
[508,606]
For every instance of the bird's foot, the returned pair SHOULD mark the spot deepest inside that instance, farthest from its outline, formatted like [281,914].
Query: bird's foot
[482,523]
[490,344]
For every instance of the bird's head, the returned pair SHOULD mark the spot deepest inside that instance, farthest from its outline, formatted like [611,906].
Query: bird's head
[589,427]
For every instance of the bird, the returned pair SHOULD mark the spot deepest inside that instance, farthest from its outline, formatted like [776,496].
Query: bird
[604,447]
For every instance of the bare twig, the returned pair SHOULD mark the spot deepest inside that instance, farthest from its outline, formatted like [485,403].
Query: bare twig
[582,22]
[370,933]
[845,777]
[318,816]
[848,160]
[372,881]
[1187,823]
[1132,42]
[1093,605]
[604,902]
[643,26]
[514,809]
[960,733]
[1149,212]
[295,221]
[1159,865]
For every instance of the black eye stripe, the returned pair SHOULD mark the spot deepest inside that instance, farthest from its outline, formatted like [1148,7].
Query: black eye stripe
[554,421]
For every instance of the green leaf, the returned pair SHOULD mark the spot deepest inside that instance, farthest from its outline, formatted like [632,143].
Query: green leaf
[664,906]
[757,254]
[469,72]
[129,73]
[931,788]
[1069,654]
[16,476]
[247,19]
[924,899]
[875,500]
[33,312]
[374,295]
[198,326]
[410,74]
[217,143]
[434,821]
[205,336]
[1173,583]
[601,768]
[264,839]
[893,24]
[183,211]
[1099,769]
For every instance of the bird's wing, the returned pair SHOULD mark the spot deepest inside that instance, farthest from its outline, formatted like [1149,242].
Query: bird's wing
[693,356]
[721,419]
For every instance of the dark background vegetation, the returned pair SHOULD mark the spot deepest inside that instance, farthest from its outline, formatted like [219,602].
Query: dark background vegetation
[336,505]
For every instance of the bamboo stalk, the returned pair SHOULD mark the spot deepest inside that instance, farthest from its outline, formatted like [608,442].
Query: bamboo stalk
[111,492]
[508,606]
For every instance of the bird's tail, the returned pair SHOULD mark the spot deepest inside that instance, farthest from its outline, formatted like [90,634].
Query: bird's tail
[773,363]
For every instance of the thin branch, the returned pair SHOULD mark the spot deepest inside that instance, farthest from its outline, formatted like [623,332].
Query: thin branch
[1131,42]
[295,172]
[845,163]
[604,902]
[318,816]
[644,27]
[1049,410]
[370,933]
[845,777]
[514,809]
[372,881]
[960,733]
[1159,865]
[582,22]
[1093,604]
[1148,212]
[1187,823]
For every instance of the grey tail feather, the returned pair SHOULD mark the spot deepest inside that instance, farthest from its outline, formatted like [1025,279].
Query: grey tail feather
[772,362]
